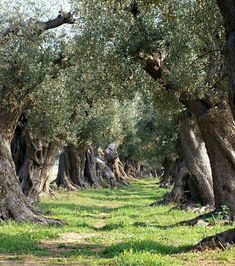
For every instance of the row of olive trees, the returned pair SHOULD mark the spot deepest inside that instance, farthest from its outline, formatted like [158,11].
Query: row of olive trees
[183,51]
[57,92]
[51,91]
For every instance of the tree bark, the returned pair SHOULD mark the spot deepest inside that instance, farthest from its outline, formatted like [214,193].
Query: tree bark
[13,203]
[227,9]
[131,168]
[168,166]
[90,172]
[39,27]
[34,160]
[197,160]
[218,130]
[71,168]
[113,162]
[192,172]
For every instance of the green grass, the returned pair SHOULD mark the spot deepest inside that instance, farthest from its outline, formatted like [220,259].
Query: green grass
[111,227]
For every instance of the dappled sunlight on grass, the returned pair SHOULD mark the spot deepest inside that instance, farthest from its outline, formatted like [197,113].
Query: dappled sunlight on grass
[111,227]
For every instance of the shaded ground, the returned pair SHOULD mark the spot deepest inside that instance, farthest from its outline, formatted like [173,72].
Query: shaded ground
[110,227]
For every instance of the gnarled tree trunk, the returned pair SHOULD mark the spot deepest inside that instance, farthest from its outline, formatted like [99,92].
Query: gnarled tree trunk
[218,132]
[33,159]
[192,171]
[90,171]
[71,168]
[225,184]
[197,160]
[168,166]
[13,203]
[112,160]
[131,168]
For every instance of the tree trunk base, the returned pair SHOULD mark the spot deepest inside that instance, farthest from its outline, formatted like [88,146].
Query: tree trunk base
[28,214]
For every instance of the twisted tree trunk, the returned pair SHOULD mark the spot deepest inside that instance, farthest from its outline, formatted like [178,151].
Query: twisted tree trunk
[113,162]
[71,168]
[218,131]
[132,168]
[219,134]
[224,185]
[13,203]
[33,159]
[197,160]
[90,171]
[192,171]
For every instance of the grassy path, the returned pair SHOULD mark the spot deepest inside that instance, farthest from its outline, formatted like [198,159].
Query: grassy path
[110,227]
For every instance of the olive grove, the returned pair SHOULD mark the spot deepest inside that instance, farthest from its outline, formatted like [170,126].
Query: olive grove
[153,80]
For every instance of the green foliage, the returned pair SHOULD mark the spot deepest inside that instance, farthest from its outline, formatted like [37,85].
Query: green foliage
[152,137]
[91,97]
[111,227]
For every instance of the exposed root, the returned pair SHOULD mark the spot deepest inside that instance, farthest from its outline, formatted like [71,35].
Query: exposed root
[210,218]
[40,220]
[223,241]
[157,203]
[49,221]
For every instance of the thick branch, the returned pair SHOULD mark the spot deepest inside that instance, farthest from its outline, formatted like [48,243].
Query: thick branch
[62,18]
[39,27]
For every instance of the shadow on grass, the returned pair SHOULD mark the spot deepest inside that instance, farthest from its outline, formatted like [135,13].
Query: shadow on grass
[122,193]
[22,243]
[144,245]
[76,208]
[147,225]
[89,211]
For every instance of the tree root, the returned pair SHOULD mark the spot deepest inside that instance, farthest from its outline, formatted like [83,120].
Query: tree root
[223,241]
[47,221]
[209,218]
[158,202]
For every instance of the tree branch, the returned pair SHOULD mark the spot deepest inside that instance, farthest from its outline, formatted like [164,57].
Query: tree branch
[39,27]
